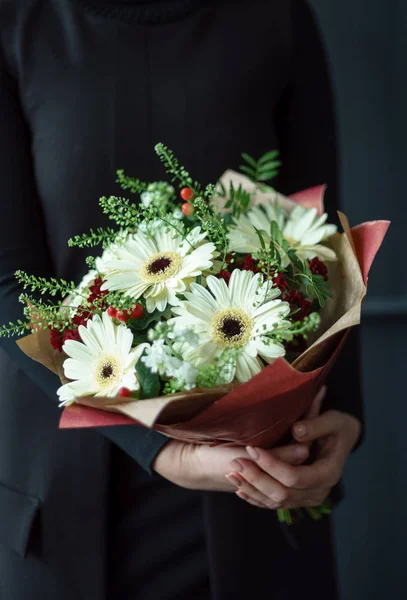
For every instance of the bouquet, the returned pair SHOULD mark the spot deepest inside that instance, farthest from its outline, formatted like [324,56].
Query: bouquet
[213,315]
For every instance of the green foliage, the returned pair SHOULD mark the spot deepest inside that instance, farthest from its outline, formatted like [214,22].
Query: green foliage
[101,236]
[42,285]
[139,325]
[149,382]
[262,170]
[238,199]
[220,372]
[122,211]
[314,285]
[133,185]
[211,222]
[298,274]
[174,168]
[17,329]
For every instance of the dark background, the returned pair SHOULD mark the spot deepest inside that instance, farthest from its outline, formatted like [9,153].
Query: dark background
[367,45]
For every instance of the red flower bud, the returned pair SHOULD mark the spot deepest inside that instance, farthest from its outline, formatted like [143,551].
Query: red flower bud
[124,393]
[137,312]
[123,316]
[188,209]
[187,194]
[112,312]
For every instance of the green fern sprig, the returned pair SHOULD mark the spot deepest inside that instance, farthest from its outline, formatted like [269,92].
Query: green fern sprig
[131,184]
[99,237]
[122,211]
[50,286]
[262,170]
[174,168]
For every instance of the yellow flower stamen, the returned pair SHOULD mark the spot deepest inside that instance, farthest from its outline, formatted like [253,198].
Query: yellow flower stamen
[161,266]
[107,371]
[232,328]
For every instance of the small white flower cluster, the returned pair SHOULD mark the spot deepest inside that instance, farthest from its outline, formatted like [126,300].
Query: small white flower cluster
[165,355]
[157,194]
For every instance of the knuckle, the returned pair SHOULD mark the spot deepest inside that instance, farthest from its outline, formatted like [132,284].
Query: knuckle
[266,464]
[291,479]
[278,498]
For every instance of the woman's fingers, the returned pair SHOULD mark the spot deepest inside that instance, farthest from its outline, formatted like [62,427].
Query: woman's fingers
[326,424]
[244,488]
[284,499]
[323,472]
[294,454]
[250,500]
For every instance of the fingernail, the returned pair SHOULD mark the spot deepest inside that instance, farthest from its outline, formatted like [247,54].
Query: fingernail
[233,480]
[252,453]
[300,430]
[236,465]
[242,495]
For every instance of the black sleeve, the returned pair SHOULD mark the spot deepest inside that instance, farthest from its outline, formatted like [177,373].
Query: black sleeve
[308,141]
[23,246]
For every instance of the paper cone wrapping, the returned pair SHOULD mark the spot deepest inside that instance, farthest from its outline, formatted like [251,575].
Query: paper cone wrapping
[263,410]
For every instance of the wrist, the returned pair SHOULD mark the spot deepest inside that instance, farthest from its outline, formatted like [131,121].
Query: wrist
[174,462]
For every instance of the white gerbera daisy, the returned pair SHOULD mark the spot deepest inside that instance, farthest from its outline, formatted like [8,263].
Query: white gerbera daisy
[302,229]
[305,231]
[235,316]
[102,363]
[158,266]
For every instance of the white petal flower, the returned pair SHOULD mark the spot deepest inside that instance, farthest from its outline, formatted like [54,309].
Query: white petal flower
[302,229]
[235,316]
[305,231]
[159,358]
[158,266]
[102,363]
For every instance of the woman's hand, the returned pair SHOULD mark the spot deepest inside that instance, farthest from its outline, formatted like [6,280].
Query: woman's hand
[269,482]
[205,467]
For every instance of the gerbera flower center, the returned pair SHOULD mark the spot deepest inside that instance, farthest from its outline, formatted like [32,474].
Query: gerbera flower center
[232,328]
[107,371]
[161,266]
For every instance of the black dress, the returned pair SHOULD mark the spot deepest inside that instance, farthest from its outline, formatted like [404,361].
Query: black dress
[87,87]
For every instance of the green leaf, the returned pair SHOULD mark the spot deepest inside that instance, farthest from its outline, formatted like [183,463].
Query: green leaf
[147,318]
[149,382]
[222,190]
[266,175]
[268,156]
[249,159]
[249,171]
[260,235]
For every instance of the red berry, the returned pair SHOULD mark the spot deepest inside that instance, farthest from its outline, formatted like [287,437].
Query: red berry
[188,209]
[112,312]
[124,393]
[137,312]
[123,316]
[187,194]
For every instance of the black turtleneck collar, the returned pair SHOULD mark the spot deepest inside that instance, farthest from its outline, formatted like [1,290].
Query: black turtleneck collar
[144,12]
